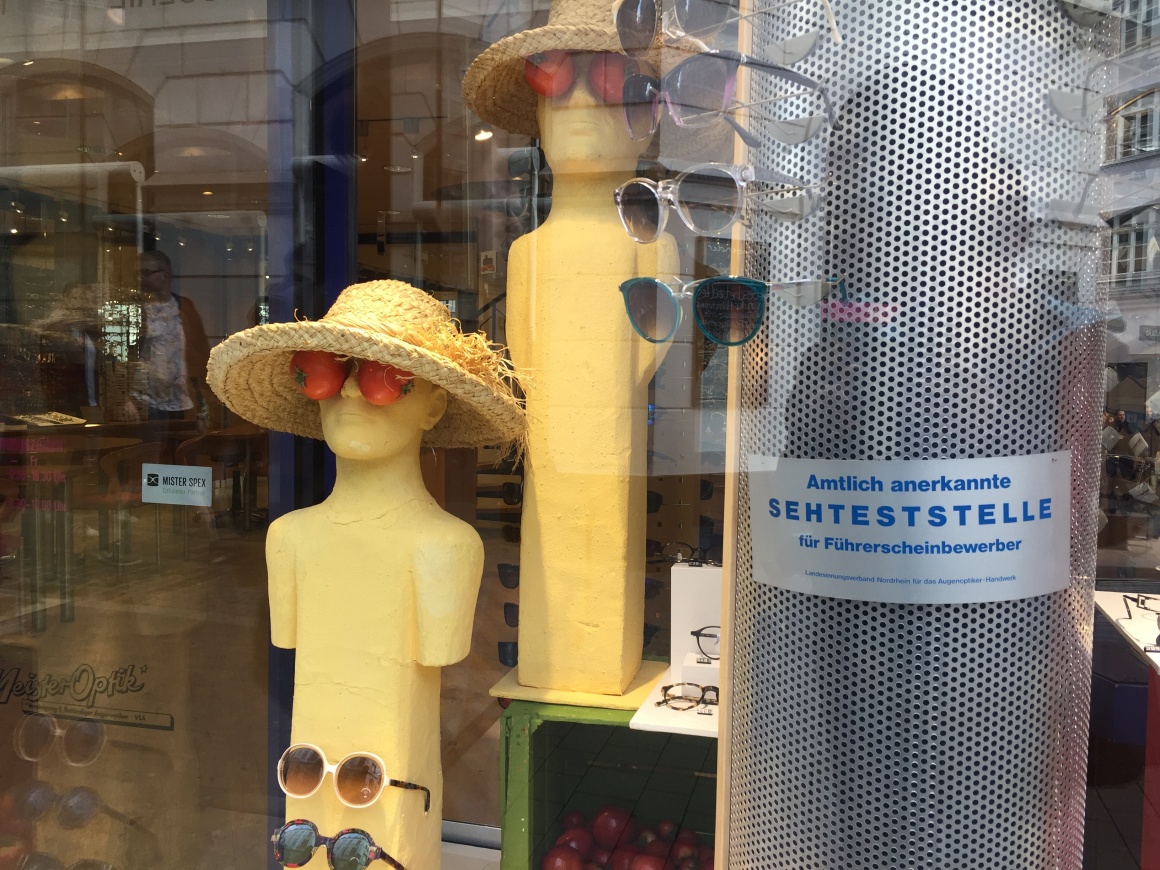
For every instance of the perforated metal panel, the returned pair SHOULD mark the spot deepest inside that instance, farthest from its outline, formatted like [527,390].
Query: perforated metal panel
[870,735]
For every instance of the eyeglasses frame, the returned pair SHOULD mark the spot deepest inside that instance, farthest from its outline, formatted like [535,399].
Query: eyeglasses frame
[332,769]
[379,853]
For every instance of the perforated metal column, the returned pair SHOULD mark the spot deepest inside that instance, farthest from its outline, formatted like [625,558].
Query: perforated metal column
[868,735]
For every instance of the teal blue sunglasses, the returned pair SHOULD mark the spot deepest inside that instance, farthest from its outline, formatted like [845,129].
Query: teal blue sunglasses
[726,308]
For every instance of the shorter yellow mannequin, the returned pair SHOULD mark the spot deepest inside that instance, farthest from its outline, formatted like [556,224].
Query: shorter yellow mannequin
[375,587]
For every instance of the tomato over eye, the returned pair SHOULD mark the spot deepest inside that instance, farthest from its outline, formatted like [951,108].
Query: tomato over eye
[319,374]
[550,73]
[606,74]
[381,384]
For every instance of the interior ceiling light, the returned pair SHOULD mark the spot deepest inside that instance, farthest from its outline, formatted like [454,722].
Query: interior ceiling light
[207,193]
[29,62]
[398,169]
[483,134]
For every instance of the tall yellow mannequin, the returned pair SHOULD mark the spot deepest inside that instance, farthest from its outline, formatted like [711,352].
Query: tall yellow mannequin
[583,526]
[376,588]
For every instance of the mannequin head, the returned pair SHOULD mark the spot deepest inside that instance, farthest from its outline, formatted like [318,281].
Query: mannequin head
[356,429]
[581,133]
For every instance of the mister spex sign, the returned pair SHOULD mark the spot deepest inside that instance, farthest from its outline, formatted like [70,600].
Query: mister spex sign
[913,531]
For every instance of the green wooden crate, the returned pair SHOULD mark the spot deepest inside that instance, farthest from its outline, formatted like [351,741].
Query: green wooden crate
[556,758]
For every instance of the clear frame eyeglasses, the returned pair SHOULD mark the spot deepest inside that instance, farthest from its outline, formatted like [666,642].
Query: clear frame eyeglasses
[709,198]
[639,22]
[699,91]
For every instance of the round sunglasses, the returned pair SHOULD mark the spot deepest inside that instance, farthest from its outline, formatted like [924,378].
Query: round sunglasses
[78,744]
[359,778]
[708,197]
[554,73]
[640,22]
[699,91]
[727,309]
[351,849]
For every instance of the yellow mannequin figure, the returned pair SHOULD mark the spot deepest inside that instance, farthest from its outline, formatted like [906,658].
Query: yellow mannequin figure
[376,586]
[409,574]
[583,527]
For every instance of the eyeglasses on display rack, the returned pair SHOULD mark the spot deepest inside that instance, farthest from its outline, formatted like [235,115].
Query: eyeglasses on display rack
[709,641]
[554,73]
[726,308]
[686,696]
[699,91]
[1149,603]
[44,861]
[359,778]
[78,743]
[638,22]
[351,849]
[708,197]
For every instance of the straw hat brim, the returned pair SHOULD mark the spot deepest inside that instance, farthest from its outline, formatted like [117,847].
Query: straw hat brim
[494,86]
[250,371]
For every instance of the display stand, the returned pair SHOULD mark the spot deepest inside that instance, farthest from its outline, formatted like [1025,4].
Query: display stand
[555,757]
[698,722]
[1140,631]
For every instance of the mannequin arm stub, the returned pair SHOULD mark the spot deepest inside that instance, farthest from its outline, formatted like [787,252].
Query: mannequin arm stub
[448,571]
[282,586]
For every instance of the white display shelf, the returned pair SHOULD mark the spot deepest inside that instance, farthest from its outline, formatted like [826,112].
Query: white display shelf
[1139,630]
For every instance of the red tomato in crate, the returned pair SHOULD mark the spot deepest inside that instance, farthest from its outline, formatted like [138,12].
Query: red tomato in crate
[562,858]
[648,862]
[580,840]
[381,384]
[612,825]
[319,374]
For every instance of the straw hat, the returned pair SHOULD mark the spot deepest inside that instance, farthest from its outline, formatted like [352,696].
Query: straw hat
[494,86]
[388,322]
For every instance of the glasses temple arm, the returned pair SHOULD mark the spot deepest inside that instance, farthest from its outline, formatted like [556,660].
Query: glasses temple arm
[791,76]
[399,783]
[386,857]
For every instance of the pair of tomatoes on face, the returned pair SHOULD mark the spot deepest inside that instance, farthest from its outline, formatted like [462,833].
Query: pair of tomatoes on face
[553,73]
[320,374]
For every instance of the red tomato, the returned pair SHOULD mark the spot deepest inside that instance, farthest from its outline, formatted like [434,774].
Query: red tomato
[648,862]
[579,839]
[666,829]
[606,75]
[622,857]
[706,856]
[550,73]
[601,856]
[381,384]
[612,825]
[573,819]
[319,374]
[562,858]
[660,847]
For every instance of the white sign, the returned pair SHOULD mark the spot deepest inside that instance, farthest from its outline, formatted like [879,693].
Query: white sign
[913,531]
[176,484]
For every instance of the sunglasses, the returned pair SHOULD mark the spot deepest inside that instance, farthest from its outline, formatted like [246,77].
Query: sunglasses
[319,375]
[78,744]
[75,808]
[727,309]
[44,861]
[709,641]
[699,91]
[359,778]
[639,22]
[678,697]
[554,73]
[708,197]
[351,849]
